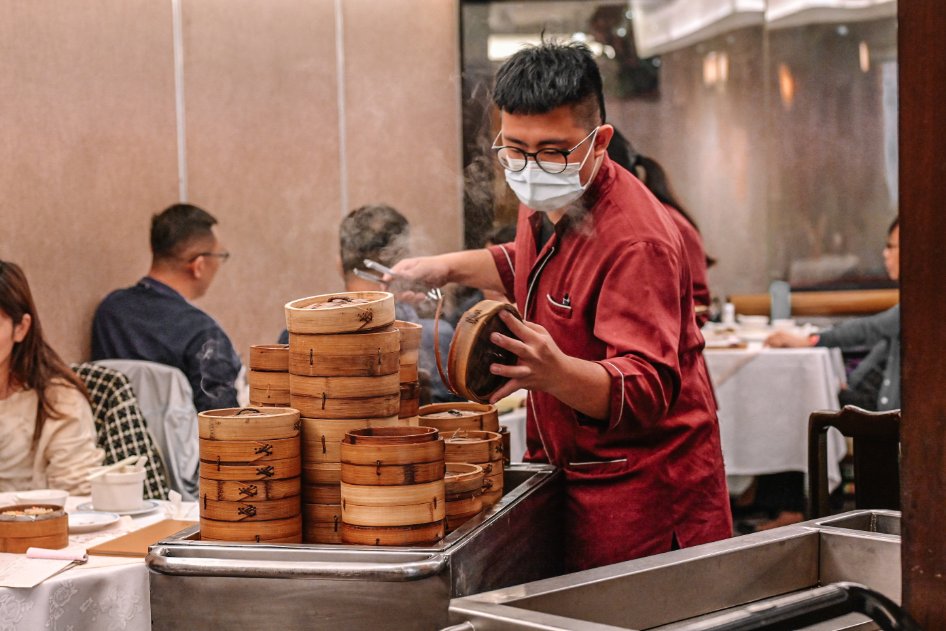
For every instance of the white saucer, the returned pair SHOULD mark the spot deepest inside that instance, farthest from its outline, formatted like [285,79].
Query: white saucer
[87,521]
[146,507]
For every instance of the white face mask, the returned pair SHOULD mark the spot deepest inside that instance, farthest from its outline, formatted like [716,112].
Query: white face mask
[547,192]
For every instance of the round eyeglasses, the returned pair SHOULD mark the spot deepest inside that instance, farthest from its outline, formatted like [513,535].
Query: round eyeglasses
[552,161]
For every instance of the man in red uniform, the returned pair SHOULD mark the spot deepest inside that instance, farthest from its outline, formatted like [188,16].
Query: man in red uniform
[610,350]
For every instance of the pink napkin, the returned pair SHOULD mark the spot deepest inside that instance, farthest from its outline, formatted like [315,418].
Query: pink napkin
[66,554]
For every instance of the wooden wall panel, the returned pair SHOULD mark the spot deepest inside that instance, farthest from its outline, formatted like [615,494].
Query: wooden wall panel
[88,150]
[262,153]
[403,113]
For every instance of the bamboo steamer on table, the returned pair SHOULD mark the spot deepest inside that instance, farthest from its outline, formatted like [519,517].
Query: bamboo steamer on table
[345,312]
[464,489]
[345,397]
[481,448]
[26,526]
[364,354]
[392,489]
[250,466]
[449,417]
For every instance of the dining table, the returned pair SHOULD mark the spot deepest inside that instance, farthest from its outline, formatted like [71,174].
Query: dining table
[764,397]
[103,594]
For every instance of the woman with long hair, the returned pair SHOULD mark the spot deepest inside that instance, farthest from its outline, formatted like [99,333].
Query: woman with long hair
[45,419]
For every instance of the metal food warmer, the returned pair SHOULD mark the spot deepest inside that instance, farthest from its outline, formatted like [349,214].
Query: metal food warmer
[217,585]
[750,582]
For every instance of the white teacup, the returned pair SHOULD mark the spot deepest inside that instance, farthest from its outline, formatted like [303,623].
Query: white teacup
[119,491]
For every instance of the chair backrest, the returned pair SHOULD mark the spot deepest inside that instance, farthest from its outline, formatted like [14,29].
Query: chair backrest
[120,427]
[876,437]
[166,401]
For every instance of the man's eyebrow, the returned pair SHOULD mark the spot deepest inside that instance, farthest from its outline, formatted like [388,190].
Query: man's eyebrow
[542,143]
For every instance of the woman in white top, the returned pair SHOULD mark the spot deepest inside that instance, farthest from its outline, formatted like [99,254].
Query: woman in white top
[45,419]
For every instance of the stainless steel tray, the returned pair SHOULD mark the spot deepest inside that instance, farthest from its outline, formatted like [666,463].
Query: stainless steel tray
[679,589]
[211,585]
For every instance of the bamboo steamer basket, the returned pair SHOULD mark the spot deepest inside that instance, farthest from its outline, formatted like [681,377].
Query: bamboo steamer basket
[395,515]
[263,398]
[380,454]
[473,446]
[410,421]
[402,495]
[507,445]
[322,437]
[411,334]
[462,478]
[249,511]
[345,354]
[248,451]
[239,472]
[472,352]
[322,532]
[409,373]
[322,494]
[493,488]
[345,397]
[418,534]
[410,399]
[259,490]
[322,513]
[398,435]
[322,473]
[345,312]
[384,475]
[20,532]
[268,381]
[269,357]
[288,530]
[248,424]
[449,417]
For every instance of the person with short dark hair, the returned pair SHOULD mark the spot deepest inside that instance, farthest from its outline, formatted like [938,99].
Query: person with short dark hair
[45,418]
[155,320]
[609,348]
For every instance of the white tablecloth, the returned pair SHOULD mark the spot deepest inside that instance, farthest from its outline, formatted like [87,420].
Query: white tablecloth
[105,594]
[765,396]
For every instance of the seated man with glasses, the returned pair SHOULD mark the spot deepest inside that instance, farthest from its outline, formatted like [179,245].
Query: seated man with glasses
[609,349]
[154,320]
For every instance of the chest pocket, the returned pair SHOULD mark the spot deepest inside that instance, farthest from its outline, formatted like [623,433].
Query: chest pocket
[560,305]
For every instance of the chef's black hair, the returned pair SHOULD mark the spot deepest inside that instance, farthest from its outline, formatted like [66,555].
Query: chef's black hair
[539,79]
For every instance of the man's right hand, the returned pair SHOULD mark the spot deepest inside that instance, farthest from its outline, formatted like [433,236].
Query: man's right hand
[416,275]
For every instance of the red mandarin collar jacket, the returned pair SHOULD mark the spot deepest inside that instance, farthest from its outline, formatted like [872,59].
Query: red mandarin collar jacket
[613,286]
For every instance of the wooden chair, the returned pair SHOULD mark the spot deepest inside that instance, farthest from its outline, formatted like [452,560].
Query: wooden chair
[876,438]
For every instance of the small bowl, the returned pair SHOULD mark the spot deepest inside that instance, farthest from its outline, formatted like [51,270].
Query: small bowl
[118,491]
[50,497]
[753,321]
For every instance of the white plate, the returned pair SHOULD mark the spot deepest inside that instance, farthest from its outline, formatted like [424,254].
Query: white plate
[147,507]
[87,521]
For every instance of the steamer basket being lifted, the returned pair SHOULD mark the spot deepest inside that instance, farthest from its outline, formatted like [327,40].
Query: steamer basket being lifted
[345,312]
[472,352]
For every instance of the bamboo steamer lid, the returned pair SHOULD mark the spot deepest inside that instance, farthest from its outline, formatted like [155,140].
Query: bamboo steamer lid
[397,435]
[248,424]
[462,477]
[345,312]
[345,354]
[269,357]
[269,398]
[449,417]
[396,474]
[269,470]
[409,373]
[433,492]
[410,399]
[383,446]
[262,380]
[223,510]
[49,529]
[258,490]
[366,407]
[473,446]
[472,352]
[288,530]
[322,493]
[321,513]
[322,473]
[418,534]
[248,451]
[322,437]
[322,532]
[393,515]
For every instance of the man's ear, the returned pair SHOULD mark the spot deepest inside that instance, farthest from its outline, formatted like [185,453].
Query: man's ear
[197,267]
[20,330]
[603,139]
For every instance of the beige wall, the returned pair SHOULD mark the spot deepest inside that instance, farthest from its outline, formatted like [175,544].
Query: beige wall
[90,147]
